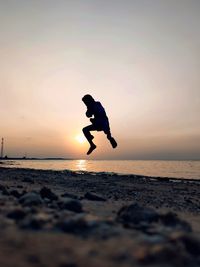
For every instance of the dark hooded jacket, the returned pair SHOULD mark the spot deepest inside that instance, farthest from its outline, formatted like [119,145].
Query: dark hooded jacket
[100,119]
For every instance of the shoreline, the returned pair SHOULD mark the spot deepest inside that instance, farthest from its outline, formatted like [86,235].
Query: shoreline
[97,219]
[79,172]
[165,169]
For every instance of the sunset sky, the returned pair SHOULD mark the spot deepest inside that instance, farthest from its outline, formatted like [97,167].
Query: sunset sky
[139,58]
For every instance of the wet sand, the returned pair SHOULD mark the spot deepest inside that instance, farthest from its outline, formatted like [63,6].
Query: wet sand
[69,219]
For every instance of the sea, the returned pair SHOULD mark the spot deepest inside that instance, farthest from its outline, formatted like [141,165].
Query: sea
[153,168]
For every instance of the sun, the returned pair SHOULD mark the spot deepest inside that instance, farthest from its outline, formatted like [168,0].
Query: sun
[80,138]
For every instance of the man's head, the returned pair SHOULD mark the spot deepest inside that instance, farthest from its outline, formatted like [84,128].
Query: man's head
[88,99]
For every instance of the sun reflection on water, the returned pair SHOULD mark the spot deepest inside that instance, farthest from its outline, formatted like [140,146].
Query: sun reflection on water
[81,165]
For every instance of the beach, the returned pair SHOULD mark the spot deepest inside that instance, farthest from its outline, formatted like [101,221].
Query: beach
[72,219]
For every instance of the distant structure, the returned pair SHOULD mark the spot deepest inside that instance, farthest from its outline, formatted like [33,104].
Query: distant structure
[2,145]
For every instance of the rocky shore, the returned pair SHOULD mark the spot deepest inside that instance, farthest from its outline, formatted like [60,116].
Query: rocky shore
[70,219]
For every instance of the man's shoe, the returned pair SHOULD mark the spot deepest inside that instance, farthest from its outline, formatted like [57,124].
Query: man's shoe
[113,142]
[92,147]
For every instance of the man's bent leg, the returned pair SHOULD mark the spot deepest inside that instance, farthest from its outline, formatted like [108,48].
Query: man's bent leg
[89,137]
[86,131]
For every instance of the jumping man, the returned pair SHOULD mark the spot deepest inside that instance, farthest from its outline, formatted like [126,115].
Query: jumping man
[99,122]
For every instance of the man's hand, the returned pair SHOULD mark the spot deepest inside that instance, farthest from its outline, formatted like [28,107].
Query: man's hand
[88,114]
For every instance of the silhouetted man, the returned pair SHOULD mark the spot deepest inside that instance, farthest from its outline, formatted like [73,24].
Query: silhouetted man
[99,122]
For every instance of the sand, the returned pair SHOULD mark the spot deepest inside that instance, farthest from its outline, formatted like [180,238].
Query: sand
[69,219]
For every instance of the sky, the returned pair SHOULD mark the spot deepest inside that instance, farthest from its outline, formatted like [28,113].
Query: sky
[139,58]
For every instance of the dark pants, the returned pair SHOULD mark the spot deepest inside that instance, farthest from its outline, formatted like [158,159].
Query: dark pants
[89,128]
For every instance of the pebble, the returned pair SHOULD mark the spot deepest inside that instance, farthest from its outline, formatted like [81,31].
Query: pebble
[30,198]
[69,195]
[45,192]
[75,225]
[15,193]
[135,214]
[171,219]
[192,244]
[16,214]
[28,180]
[4,190]
[94,197]
[71,204]
[35,222]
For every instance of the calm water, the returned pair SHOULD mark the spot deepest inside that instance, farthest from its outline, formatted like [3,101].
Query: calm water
[176,169]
